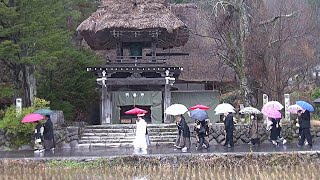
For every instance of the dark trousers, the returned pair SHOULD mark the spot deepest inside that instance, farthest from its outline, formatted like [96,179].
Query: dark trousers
[255,141]
[305,134]
[202,140]
[48,144]
[229,138]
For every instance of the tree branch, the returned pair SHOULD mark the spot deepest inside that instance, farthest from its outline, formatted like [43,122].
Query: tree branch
[274,19]
[4,3]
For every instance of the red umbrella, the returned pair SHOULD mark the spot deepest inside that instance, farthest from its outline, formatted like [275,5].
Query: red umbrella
[136,111]
[199,106]
[32,118]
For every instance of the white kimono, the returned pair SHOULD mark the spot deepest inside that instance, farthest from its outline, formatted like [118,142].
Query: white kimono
[140,141]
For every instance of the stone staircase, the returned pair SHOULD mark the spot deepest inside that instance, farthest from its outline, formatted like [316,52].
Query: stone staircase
[122,135]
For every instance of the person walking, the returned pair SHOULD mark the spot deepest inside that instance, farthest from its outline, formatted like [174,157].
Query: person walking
[254,130]
[275,131]
[140,141]
[38,138]
[48,135]
[183,141]
[229,128]
[305,128]
[202,130]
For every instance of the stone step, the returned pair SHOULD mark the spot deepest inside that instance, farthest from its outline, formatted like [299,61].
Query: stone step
[128,126]
[116,140]
[115,145]
[86,130]
[128,134]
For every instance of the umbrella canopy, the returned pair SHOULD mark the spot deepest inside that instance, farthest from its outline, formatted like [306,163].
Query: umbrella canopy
[43,111]
[271,113]
[176,109]
[225,111]
[305,105]
[224,107]
[199,106]
[32,118]
[294,108]
[136,111]
[317,100]
[199,114]
[274,105]
[250,110]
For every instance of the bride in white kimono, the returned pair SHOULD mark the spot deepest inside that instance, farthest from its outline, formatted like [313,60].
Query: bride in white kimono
[140,142]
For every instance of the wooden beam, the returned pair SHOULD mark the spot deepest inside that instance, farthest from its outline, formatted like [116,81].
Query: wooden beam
[135,81]
[167,102]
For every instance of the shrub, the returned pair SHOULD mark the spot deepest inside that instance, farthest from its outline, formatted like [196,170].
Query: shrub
[20,133]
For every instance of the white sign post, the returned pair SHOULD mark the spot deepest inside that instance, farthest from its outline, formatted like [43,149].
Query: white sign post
[286,105]
[265,99]
[18,106]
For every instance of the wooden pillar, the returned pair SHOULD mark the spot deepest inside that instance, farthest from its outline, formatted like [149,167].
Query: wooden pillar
[106,106]
[153,50]
[167,102]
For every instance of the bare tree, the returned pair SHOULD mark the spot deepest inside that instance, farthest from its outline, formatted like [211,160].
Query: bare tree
[264,42]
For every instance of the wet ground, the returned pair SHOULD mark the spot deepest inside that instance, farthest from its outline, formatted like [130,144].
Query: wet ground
[112,152]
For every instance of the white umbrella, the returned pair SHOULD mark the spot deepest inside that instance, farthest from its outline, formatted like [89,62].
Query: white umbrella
[250,110]
[176,109]
[273,105]
[294,108]
[224,111]
[224,107]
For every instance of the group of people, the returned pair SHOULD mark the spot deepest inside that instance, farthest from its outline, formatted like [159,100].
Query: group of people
[202,131]
[43,135]
[201,128]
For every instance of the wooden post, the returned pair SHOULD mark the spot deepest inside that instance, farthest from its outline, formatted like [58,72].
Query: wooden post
[106,107]
[167,102]
[153,50]
[167,96]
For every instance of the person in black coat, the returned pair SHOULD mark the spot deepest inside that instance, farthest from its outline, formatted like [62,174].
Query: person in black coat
[305,128]
[229,128]
[275,131]
[202,130]
[183,140]
[48,134]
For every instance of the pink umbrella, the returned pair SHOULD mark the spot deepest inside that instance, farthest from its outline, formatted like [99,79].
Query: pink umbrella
[274,105]
[294,108]
[32,118]
[199,106]
[271,113]
[136,111]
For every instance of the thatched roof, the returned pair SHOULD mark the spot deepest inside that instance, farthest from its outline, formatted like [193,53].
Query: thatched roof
[132,15]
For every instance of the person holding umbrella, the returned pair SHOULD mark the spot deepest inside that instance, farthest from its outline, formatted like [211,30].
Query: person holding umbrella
[202,130]
[140,141]
[38,131]
[38,137]
[254,130]
[48,135]
[229,128]
[183,140]
[305,128]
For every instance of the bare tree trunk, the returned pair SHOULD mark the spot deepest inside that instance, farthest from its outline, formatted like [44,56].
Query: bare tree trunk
[29,85]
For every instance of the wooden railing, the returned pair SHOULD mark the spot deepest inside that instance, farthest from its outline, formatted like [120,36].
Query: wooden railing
[137,60]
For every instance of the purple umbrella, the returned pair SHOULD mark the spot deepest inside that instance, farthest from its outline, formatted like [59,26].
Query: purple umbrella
[271,113]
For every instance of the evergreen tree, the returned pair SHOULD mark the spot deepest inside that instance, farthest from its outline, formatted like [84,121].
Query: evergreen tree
[37,42]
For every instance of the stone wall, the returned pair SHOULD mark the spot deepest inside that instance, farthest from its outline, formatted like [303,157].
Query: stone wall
[241,136]
[67,137]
